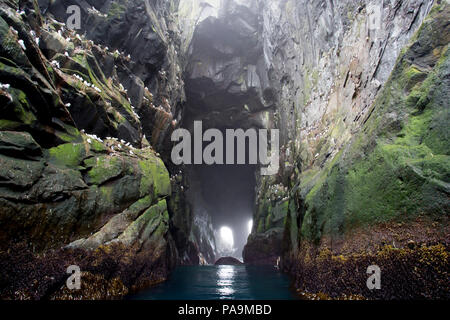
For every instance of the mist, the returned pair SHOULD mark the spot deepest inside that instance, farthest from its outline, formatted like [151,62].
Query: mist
[229,193]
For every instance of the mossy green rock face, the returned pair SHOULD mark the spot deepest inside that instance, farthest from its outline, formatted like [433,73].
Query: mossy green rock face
[64,181]
[155,178]
[68,155]
[154,222]
[75,188]
[366,139]
[142,224]
[104,168]
[59,185]
[398,165]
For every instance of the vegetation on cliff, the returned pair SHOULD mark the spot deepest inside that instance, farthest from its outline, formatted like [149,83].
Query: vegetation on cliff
[76,188]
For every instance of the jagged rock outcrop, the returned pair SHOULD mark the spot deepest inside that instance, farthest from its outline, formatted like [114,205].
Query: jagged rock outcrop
[62,187]
[85,130]
[143,37]
[399,159]
[146,63]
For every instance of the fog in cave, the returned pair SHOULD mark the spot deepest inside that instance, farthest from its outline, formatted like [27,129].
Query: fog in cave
[229,193]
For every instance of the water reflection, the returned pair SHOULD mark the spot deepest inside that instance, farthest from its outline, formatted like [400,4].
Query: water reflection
[221,282]
[225,281]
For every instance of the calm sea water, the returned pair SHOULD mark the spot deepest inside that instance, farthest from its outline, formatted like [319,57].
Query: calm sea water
[221,282]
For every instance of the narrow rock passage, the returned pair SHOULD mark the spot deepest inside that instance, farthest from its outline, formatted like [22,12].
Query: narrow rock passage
[355,92]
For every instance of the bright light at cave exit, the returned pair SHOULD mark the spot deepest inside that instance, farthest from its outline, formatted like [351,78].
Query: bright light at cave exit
[227,236]
[250,226]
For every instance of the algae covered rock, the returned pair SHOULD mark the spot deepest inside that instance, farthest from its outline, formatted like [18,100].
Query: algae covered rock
[396,167]
[364,138]
[75,184]
[19,159]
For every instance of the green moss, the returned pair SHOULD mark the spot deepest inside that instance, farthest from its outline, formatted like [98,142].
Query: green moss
[397,166]
[155,177]
[268,221]
[19,109]
[106,195]
[420,95]
[382,189]
[155,218]
[412,76]
[9,125]
[104,168]
[138,207]
[394,181]
[98,147]
[9,44]
[152,223]
[80,58]
[71,134]
[281,211]
[116,10]
[69,154]
[260,228]
[323,176]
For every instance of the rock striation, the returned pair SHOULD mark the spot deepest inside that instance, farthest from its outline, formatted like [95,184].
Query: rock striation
[82,178]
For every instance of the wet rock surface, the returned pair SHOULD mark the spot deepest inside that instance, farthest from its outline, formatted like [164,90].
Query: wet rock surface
[327,190]
[75,175]
[85,128]
[228,261]
[263,249]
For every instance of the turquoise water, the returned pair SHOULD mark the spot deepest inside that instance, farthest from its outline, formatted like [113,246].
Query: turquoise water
[221,282]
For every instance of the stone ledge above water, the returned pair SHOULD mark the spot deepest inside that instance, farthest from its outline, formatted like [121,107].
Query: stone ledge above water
[228,261]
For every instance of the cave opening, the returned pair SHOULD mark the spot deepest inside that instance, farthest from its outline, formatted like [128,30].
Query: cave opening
[226,87]
[225,194]
[229,194]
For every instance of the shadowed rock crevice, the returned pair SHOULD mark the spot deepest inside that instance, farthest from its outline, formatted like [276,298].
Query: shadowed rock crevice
[224,84]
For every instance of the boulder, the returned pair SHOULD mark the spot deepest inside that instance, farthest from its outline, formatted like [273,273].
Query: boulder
[228,261]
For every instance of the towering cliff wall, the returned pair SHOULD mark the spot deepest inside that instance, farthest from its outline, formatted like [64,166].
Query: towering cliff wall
[153,38]
[363,111]
[86,124]
[80,183]
[327,67]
